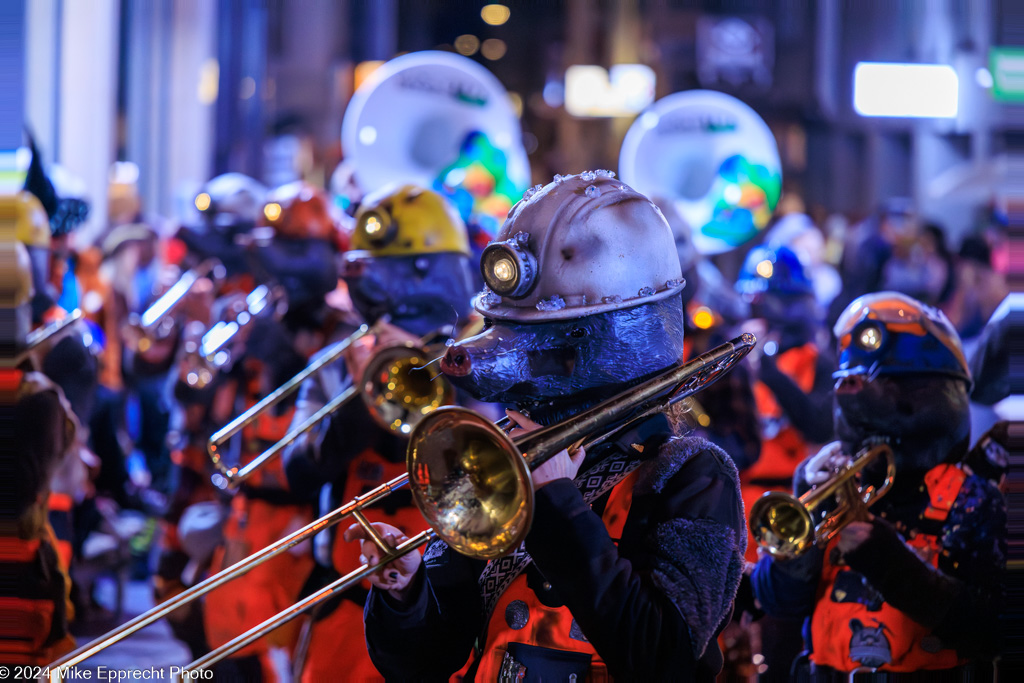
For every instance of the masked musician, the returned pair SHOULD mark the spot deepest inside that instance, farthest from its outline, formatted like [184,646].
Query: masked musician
[793,381]
[633,567]
[409,260]
[915,587]
[35,605]
[302,258]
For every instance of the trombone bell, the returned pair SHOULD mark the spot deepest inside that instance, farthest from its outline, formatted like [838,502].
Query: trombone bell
[400,386]
[470,482]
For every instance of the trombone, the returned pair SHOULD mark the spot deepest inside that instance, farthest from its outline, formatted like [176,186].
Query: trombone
[785,525]
[41,335]
[156,323]
[398,386]
[483,480]
[472,486]
[213,353]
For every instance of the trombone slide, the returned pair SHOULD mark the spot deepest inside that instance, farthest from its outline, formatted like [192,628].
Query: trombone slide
[317,598]
[217,580]
[233,476]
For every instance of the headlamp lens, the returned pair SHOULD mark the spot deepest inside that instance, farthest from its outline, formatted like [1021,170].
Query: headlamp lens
[504,269]
[869,338]
[508,269]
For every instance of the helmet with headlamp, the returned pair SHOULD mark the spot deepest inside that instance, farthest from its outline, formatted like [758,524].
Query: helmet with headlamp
[408,220]
[299,210]
[888,333]
[231,200]
[571,248]
[409,258]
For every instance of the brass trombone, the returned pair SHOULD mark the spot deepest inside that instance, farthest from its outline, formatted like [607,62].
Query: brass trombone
[398,386]
[157,322]
[787,526]
[492,471]
[214,352]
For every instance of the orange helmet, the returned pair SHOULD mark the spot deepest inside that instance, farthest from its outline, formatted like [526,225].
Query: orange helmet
[299,210]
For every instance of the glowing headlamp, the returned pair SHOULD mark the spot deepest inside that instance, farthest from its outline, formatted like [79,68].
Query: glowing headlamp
[203,201]
[272,211]
[509,269]
[869,337]
[378,228]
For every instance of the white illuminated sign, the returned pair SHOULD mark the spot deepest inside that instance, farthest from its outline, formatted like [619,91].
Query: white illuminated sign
[905,90]
[624,90]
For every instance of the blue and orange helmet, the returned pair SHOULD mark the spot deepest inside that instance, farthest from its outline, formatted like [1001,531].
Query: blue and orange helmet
[888,333]
[773,270]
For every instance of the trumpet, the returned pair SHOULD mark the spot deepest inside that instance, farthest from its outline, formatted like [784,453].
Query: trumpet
[492,471]
[787,526]
[214,351]
[157,322]
[398,386]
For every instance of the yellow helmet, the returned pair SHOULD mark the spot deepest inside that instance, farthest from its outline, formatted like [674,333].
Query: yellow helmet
[26,213]
[407,221]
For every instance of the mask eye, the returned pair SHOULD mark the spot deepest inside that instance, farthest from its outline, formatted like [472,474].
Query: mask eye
[578,333]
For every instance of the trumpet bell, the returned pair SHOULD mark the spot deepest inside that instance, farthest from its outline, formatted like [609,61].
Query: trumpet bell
[401,386]
[781,524]
[470,482]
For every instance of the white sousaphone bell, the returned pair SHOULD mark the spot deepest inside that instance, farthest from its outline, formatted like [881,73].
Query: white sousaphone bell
[407,122]
[713,157]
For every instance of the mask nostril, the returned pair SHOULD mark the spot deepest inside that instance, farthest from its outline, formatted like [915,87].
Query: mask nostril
[456,362]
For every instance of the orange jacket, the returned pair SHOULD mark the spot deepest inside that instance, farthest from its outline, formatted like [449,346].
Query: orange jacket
[848,634]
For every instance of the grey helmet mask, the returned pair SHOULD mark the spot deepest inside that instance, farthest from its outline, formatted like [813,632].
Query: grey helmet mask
[582,298]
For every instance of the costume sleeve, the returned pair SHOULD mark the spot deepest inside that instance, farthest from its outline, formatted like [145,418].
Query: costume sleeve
[431,635]
[787,588]
[651,605]
[960,600]
[811,413]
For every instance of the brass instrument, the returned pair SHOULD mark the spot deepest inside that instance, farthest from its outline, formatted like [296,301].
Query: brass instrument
[214,352]
[47,333]
[398,386]
[157,322]
[491,474]
[786,526]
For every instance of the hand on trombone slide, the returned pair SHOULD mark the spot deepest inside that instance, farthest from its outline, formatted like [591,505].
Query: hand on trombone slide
[397,576]
[562,464]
